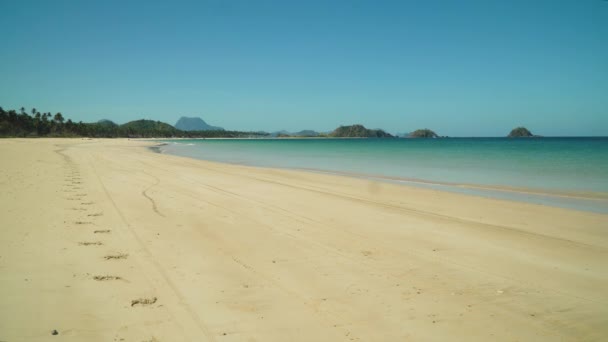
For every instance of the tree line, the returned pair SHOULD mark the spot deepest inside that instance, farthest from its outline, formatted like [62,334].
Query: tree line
[20,123]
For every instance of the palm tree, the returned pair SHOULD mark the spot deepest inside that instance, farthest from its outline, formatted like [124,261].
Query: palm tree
[58,122]
[58,118]
[37,122]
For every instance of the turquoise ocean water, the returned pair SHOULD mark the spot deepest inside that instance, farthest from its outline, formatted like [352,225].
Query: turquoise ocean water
[544,165]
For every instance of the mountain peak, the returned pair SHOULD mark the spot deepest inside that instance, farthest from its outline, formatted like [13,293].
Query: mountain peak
[195,124]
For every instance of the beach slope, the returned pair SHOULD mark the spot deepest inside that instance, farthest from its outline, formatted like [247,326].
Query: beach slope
[104,240]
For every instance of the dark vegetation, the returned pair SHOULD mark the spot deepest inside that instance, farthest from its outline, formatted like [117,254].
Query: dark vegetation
[520,132]
[423,133]
[22,124]
[358,131]
[306,133]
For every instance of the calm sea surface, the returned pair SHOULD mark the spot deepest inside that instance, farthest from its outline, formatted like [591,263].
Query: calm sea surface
[544,164]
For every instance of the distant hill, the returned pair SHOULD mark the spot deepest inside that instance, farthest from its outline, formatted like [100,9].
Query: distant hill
[149,128]
[282,133]
[195,124]
[106,123]
[103,128]
[423,133]
[306,133]
[358,131]
[520,132]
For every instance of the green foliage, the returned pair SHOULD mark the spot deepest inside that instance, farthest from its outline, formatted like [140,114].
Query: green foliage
[423,133]
[520,132]
[148,129]
[106,123]
[13,124]
[358,131]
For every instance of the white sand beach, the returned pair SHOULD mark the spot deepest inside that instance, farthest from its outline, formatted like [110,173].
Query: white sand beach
[104,240]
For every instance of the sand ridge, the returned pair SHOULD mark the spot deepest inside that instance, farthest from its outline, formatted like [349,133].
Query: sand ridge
[104,240]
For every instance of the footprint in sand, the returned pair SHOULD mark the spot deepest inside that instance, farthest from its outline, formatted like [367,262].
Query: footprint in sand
[116,256]
[106,278]
[102,231]
[143,301]
[91,243]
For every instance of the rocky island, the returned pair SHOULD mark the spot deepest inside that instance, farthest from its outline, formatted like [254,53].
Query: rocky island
[358,131]
[520,132]
[423,133]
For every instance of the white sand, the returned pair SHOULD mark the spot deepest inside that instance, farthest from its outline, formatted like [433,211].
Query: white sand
[235,253]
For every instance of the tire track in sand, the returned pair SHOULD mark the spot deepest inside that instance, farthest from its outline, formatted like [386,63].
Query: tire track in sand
[145,194]
[182,311]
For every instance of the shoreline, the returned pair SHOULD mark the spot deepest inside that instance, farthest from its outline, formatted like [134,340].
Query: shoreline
[596,202]
[134,245]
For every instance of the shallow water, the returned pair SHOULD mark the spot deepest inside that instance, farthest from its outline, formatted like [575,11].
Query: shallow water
[545,165]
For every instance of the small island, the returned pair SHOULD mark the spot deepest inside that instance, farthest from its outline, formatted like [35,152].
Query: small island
[423,133]
[520,132]
[358,131]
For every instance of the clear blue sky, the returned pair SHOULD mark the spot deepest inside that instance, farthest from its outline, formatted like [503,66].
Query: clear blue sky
[461,68]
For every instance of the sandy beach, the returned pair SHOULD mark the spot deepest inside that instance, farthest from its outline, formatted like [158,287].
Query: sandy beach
[105,240]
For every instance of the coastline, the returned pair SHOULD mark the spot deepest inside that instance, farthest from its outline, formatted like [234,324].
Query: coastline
[596,202]
[592,201]
[236,252]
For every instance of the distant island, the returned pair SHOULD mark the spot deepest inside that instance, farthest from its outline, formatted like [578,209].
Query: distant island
[423,133]
[520,132]
[20,123]
[307,133]
[195,124]
[358,131]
